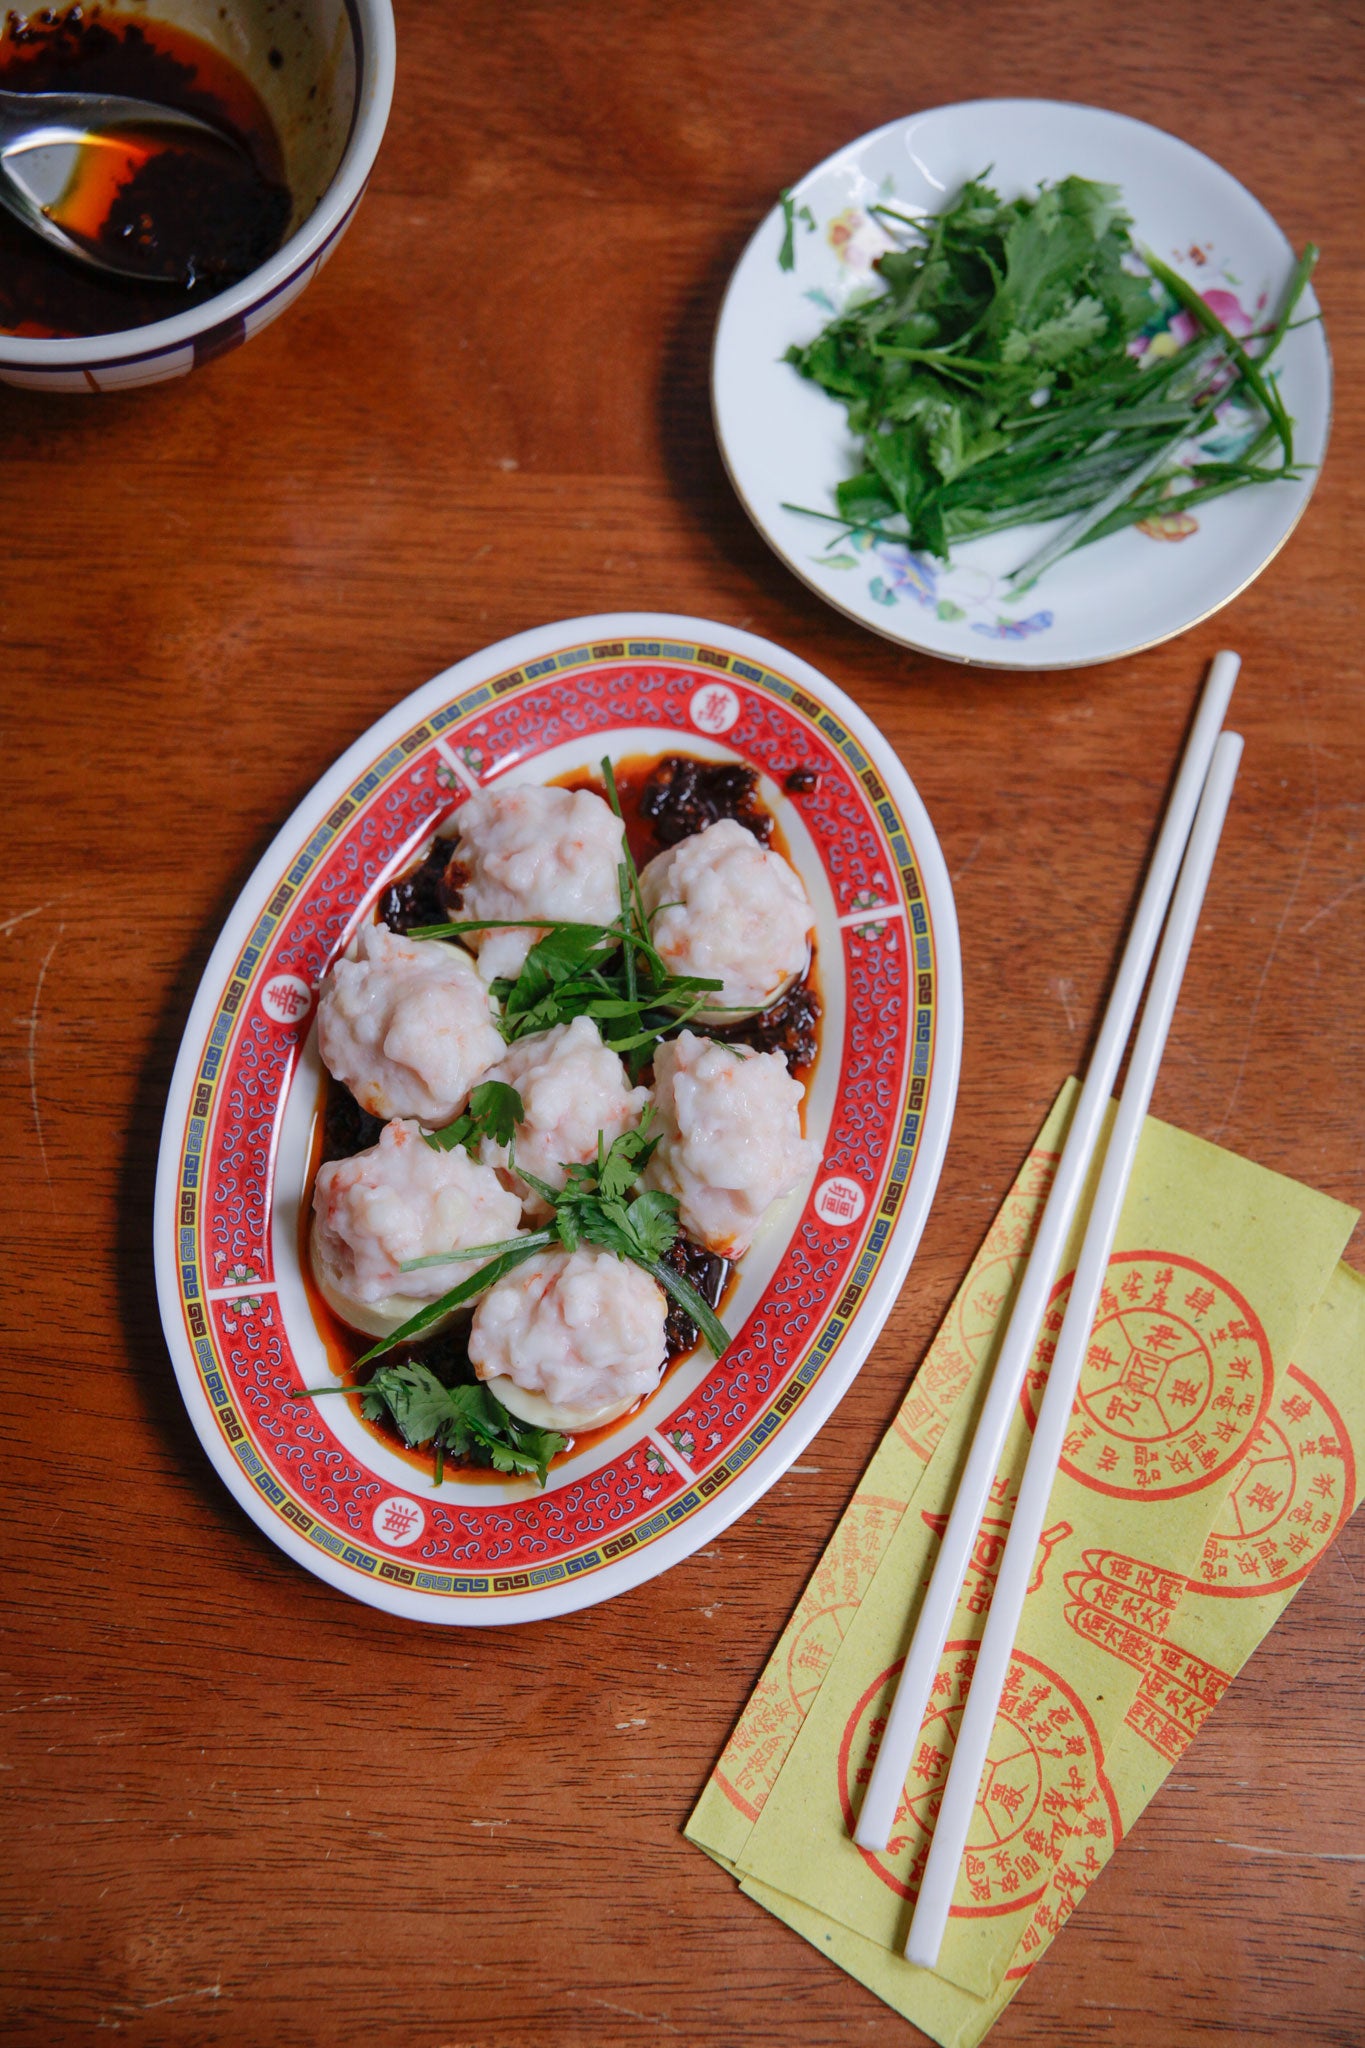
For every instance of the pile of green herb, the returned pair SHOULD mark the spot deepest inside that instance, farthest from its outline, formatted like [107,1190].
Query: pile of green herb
[996,380]
[602,1204]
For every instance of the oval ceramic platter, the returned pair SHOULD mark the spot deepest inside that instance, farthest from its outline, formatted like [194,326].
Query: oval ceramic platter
[785,441]
[810,1295]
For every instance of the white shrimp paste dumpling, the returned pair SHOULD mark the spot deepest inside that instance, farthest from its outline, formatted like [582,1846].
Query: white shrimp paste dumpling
[402,1199]
[570,1339]
[405,1024]
[731,1143]
[572,1087]
[540,853]
[722,906]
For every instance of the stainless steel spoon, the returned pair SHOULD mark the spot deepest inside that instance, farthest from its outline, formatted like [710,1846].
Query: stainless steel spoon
[42,136]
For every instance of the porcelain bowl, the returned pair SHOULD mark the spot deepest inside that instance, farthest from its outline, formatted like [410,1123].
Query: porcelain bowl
[324,69]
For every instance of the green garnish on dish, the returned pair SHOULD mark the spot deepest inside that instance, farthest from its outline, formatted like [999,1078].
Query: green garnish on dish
[1001,378]
[603,1204]
[613,973]
[465,1423]
[494,1111]
[457,1415]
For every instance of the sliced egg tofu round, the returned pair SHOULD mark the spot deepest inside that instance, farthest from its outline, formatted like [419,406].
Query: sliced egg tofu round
[543,1414]
[377,1318]
[739,1013]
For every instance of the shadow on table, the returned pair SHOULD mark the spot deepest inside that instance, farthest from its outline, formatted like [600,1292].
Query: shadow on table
[691,454]
[137,1294]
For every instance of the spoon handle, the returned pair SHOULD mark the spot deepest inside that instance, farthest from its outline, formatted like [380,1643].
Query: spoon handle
[74,115]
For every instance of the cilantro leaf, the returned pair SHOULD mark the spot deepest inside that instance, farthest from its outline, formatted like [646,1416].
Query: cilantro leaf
[652,1220]
[495,1109]
[412,1395]
[467,1423]
[620,1164]
[1055,339]
[554,965]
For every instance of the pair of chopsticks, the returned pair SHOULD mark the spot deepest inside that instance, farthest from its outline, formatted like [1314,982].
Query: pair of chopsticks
[1186,846]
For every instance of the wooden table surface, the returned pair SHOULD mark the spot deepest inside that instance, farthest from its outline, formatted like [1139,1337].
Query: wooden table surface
[241,1808]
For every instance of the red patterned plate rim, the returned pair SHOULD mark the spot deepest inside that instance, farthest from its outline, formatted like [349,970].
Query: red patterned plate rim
[817,1285]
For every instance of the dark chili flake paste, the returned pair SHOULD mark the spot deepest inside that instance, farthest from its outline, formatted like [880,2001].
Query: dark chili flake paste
[684,796]
[802,781]
[346,1127]
[708,1273]
[431,894]
[205,218]
[790,1026]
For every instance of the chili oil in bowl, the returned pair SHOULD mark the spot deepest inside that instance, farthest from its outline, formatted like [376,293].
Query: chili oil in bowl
[304,91]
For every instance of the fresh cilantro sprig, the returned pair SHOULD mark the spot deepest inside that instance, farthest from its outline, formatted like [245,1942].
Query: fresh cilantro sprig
[462,1422]
[466,1423]
[996,381]
[602,1204]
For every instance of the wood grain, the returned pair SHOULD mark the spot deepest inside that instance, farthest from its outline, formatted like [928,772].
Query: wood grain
[240,1808]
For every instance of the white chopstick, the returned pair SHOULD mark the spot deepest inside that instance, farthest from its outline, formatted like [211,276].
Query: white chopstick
[878,1813]
[1007,1599]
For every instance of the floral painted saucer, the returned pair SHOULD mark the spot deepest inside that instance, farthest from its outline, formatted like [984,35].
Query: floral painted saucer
[785,442]
[809,1296]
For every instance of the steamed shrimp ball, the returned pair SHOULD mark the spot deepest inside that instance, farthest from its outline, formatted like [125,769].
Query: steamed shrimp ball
[722,906]
[405,1024]
[570,1339]
[536,853]
[731,1140]
[572,1087]
[402,1199]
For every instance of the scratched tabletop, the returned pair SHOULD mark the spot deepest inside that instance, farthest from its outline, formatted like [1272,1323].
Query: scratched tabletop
[239,1807]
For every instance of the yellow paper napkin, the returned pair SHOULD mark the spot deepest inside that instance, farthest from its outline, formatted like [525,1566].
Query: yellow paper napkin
[1220,1638]
[1167,1480]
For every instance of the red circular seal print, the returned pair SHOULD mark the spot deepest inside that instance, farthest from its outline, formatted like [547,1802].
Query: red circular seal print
[1043,1786]
[1176,1381]
[813,1650]
[1292,1492]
